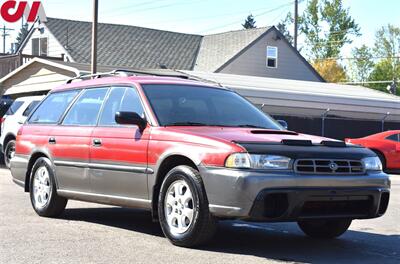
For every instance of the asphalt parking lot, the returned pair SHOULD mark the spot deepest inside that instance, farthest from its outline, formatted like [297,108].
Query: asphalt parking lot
[91,233]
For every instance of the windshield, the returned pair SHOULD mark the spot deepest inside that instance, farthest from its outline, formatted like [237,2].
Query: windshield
[187,105]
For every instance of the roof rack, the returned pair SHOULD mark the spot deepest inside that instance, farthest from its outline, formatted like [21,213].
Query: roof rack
[126,73]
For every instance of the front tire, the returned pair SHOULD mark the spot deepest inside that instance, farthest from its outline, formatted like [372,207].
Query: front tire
[325,229]
[9,153]
[183,208]
[43,191]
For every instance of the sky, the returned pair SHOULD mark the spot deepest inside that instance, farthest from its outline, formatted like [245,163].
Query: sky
[213,16]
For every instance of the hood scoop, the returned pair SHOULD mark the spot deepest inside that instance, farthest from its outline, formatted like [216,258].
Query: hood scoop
[273,132]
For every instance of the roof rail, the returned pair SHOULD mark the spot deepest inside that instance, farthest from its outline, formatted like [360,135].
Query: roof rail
[126,73]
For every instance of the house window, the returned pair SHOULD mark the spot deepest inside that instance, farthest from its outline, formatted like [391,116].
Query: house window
[39,46]
[43,47]
[35,47]
[272,57]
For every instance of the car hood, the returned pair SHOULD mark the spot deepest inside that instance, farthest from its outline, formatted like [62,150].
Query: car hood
[249,134]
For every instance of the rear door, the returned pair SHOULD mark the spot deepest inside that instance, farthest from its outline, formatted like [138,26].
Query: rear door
[70,141]
[118,154]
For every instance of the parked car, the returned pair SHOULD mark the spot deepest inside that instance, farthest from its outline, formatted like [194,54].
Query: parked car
[191,153]
[386,145]
[5,103]
[12,121]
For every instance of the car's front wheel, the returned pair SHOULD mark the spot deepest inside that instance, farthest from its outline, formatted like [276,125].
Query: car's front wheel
[43,192]
[9,153]
[183,208]
[325,229]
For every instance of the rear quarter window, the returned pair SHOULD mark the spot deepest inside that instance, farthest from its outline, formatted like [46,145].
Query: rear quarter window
[14,107]
[52,108]
[30,108]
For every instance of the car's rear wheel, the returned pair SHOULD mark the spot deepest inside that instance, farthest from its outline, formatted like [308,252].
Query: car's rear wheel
[9,153]
[325,229]
[43,192]
[183,208]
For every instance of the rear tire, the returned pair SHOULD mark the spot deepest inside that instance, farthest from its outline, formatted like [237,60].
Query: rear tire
[325,229]
[183,209]
[9,153]
[43,190]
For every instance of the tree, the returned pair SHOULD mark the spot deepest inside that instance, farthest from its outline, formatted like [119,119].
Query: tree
[250,22]
[22,35]
[387,46]
[383,72]
[330,70]
[284,25]
[362,65]
[327,27]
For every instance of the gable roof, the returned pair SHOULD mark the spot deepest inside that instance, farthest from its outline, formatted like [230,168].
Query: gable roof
[126,45]
[138,47]
[217,49]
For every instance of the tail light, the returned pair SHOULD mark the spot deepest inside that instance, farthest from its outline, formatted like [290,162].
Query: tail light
[2,123]
[20,131]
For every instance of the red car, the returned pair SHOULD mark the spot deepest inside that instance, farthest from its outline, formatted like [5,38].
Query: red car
[192,154]
[386,145]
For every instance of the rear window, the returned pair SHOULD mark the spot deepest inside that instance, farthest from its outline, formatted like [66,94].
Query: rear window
[394,137]
[30,108]
[14,107]
[52,108]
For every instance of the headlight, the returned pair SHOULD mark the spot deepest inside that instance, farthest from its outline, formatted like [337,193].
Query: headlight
[255,161]
[372,164]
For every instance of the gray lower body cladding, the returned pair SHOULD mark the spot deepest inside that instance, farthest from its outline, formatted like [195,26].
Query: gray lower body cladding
[287,196]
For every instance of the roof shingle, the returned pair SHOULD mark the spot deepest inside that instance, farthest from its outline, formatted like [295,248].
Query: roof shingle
[217,49]
[127,45]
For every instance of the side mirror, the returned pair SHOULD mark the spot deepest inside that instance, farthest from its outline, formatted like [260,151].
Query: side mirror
[283,123]
[130,118]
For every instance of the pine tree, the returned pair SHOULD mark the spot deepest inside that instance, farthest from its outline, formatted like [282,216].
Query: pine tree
[21,35]
[249,22]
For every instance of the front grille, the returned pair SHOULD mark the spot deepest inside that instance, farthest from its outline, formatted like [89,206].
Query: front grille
[331,167]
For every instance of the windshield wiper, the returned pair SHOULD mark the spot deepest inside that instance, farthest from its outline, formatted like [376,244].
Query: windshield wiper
[186,124]
[251,126]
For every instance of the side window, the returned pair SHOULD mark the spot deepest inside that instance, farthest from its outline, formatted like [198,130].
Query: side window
[14,107]
[86,109]
[120,99]
[394,137]
[272,57]
[35,47]
[52,108]
[29,109]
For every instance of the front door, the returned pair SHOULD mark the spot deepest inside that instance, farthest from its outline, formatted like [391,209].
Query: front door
[118,154]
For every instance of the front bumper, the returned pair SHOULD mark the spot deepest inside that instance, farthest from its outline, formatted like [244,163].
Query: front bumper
[287,196]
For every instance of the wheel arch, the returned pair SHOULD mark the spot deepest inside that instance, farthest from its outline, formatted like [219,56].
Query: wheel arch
[34,157]
[165,166]
[8,138]
[382,154]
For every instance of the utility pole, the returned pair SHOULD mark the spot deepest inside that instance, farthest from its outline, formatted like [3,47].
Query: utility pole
[94,35]
[5,35]
[296,18]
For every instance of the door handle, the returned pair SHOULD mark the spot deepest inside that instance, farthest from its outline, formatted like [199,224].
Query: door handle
[96,142]
[52,140]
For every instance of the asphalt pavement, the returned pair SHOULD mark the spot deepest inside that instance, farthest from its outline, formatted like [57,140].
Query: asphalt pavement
[92,233]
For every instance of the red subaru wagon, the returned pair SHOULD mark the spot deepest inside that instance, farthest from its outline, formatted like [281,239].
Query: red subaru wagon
[192,154]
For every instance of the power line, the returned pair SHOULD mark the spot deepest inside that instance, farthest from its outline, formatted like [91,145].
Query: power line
[354,58]
[111,11]
[5,34]
[154,7]
[258,15]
